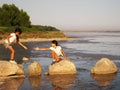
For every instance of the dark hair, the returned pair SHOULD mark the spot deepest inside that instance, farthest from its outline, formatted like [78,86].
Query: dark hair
[55,42]
[18,30]
[17,38]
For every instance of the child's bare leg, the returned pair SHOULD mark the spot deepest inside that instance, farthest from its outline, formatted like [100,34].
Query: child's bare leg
[54,56]
[12,52]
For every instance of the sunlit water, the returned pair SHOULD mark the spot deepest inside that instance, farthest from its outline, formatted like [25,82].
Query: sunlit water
[84,53]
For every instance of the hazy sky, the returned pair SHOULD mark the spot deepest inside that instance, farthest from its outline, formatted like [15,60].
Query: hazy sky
[72,14]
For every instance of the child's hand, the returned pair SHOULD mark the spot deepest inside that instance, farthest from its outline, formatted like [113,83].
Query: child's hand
[22,45]
[37,48]
[25,48]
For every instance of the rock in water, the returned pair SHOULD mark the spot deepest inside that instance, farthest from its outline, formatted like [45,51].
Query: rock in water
[20,70]
[25,59]
[62,67]
[34,69]
[7,69]
[104,66]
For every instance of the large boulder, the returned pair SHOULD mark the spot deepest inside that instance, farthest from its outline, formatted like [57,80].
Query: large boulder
[104,66]
[34,69]
[62,67]
[8,69]
[20,70]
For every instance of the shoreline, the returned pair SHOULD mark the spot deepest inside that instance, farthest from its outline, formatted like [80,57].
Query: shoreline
[43,39]
[46,39]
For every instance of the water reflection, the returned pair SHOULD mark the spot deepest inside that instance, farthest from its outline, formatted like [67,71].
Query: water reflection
[104,80]
[35,81]
[62,81]
[11,84]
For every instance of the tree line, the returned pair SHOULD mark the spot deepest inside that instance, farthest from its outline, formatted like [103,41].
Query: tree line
[11,15]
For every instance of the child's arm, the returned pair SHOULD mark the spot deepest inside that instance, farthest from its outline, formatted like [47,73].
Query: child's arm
[37,48]
[22,45]
[64,54]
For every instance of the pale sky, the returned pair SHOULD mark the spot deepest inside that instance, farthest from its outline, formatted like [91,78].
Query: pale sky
[72,14]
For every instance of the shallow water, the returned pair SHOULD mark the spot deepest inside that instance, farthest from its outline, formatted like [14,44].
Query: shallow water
[84,53]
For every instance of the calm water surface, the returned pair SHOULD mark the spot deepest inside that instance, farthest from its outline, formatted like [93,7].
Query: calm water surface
[84,53]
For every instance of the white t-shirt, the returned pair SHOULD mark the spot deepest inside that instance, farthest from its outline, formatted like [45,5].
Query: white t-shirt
[57,50]
[12,39]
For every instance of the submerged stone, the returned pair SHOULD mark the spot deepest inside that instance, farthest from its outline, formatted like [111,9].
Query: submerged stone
[25,59]
[10,83]
[104,79]
[35,81]
[62,81]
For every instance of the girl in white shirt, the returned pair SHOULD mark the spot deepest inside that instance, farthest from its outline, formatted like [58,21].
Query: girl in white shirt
[58,53]
[10,40]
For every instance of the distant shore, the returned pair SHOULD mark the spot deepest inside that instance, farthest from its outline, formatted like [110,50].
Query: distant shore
[91,31]
[46,39]
[43,39]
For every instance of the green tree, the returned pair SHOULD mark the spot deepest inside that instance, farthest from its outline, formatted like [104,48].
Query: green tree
[4,20]
[10,15]
[23,19]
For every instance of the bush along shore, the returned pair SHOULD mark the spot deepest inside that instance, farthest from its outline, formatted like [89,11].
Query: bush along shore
[35,31]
